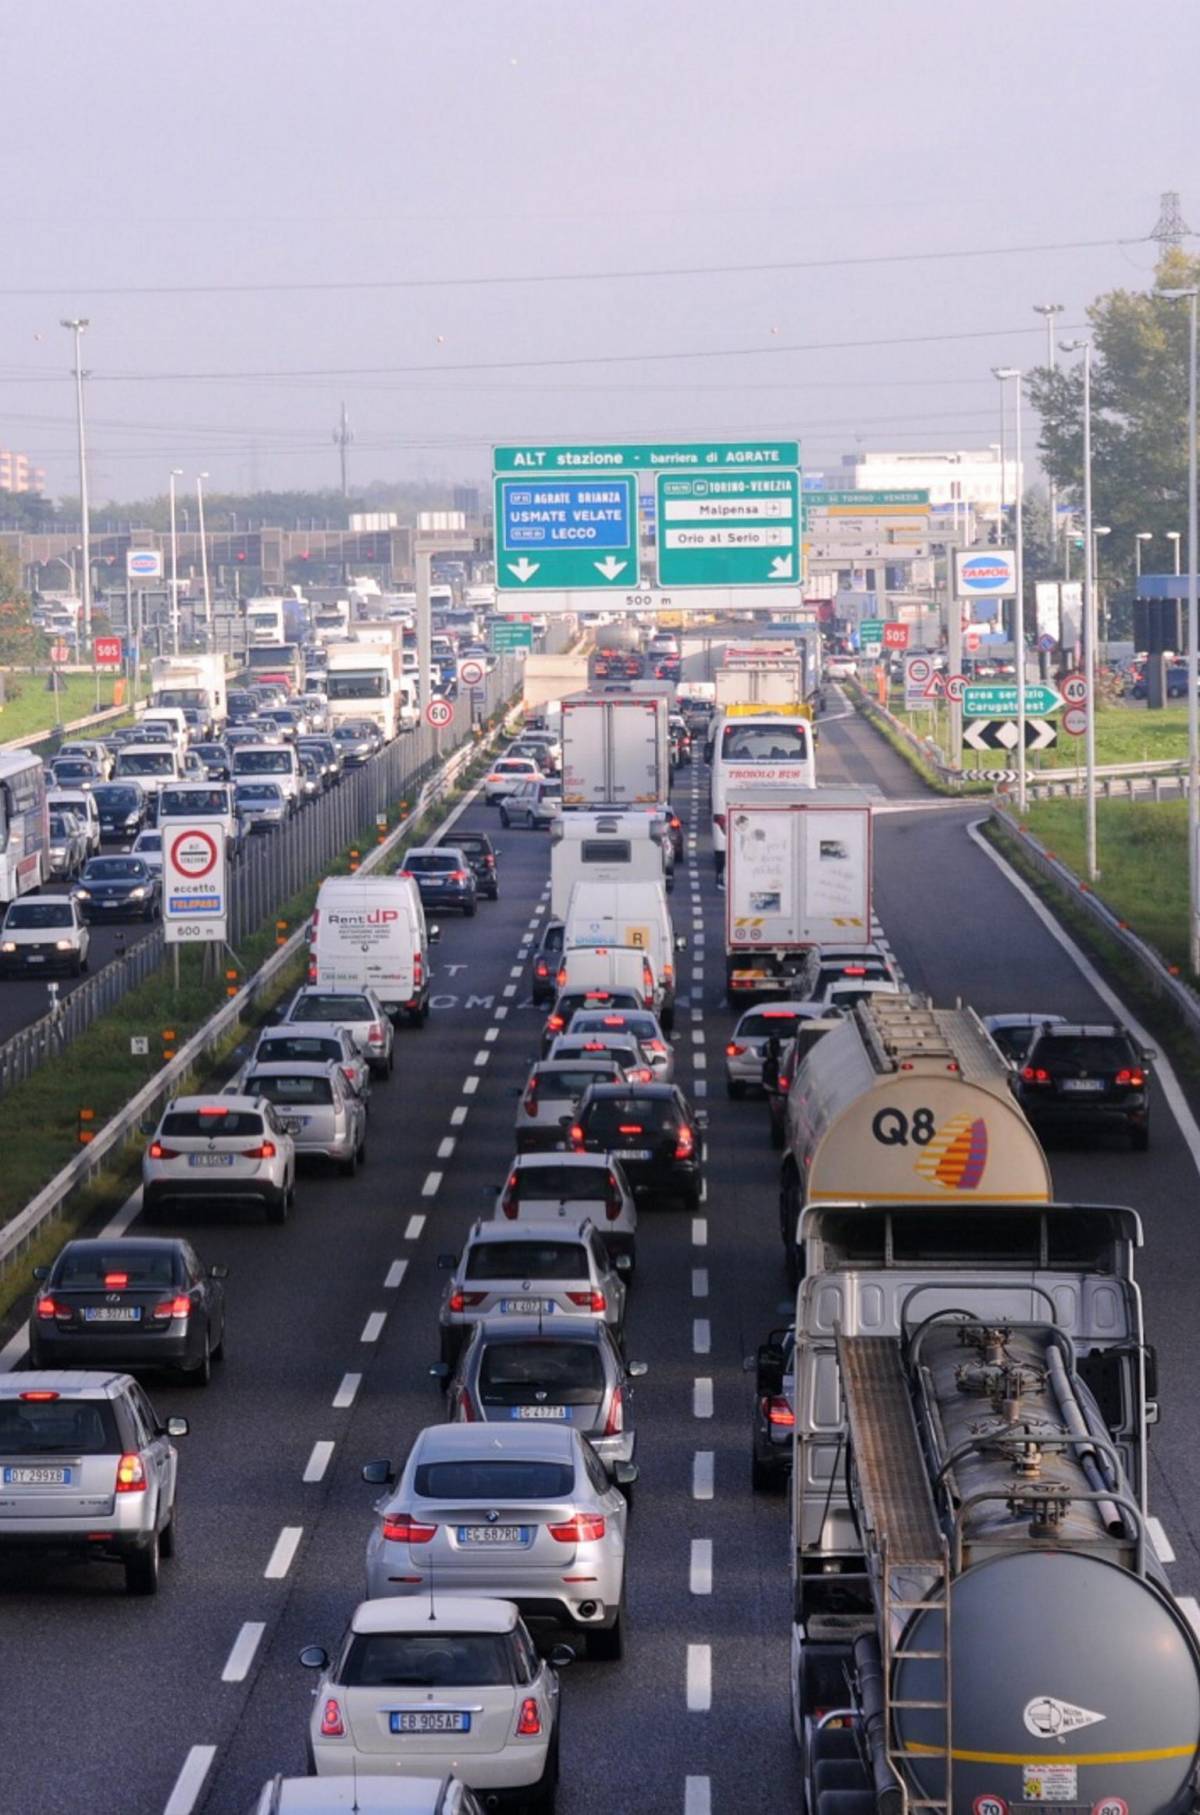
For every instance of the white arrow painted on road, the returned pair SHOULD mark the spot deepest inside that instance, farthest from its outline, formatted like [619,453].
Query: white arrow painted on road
[781,568]
[610,568]
[524,569]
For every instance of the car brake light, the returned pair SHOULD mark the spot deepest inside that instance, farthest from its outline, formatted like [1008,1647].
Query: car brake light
[114,1281]
[418,970]
[1033,1074]
[541,968]
[590,1301]
[612,1203]
[734,1050]
[39,1396]
[1133,1078]
[529,1721]
[47,1308]
[614,1020]
[583,1528]
[156,1151]
[510,1202]
[265,1152]
[576,1137]
[489,862]
[555,1024]
[348,1075]
[615,1422]
[407,873]
[174,1307]
[402,1528]
[778,1412]
[457,876]
[331,1721]
[530,1104]
[854,970]
[312,973]
[131,1475]
[562,976]
[654,1046]
[463,1301]
[685,1143]
[630,1128]
[215,1109]
[785,1083]
[375,1032]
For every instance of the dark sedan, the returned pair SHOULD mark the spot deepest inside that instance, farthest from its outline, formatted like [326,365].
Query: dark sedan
[654,1132]
[480,853]
[113,887]
[443,876]
[216,760]
[355,744]
[128,1304]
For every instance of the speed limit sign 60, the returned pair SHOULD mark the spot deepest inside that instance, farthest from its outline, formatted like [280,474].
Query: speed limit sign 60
[439,713]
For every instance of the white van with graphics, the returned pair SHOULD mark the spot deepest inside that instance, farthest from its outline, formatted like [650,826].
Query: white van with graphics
[369,932]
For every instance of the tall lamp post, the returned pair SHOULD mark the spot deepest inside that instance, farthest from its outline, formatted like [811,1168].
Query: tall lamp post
[1192,295]
[1089,606]
[176,473]
[200,478]
[1173,536]
[1048,312]
[1143,535]
[1098,530]
[1004,373]
[77,325]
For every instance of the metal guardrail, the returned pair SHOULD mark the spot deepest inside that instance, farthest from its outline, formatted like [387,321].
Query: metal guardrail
[1162,977]
[27,1225]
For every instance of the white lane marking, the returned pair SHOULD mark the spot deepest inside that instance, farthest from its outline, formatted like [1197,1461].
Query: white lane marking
[516,970]
[701,1336]
[118,1224]
[284,1553]
[702,1474]
[458,1116]
[1162,1544]
[703,1190]
[318,1462]
[1191,1612]
[699,1059]
[188,1785]
[501,1012]
[698,1014]
[1186,1121]
[373,1328]
[699,1679]
[702,1397]
[14,1351]
[432,1182]
[470,1086]
[395,1273]
[482,1056]
[697,1034]
[699,1282]
[415,1224]
[700,1087]
[510,989]
[446,1147]
[237,1664]
[533,920]
[700,1231]
[344,1396]
[492,1033]
[700,1571]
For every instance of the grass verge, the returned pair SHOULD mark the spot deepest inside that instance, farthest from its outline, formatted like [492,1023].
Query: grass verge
[921,766]
[28,707]
[1142,847]
[1124,734]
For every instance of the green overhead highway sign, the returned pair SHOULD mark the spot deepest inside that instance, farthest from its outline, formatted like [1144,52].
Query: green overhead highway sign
[859,501]
[724,528]
[503,634]
[563,534]
[870,631]
[1000,700]
[631,457]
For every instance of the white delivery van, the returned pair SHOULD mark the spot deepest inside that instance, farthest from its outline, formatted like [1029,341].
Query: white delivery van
[151,765]
[612,967]
[369,932]
[627,913]
[604,847]
[172,718]
[270,762]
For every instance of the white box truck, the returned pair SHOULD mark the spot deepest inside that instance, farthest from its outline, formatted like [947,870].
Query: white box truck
[364,678]
[196,681]
[616,750]
[798,874]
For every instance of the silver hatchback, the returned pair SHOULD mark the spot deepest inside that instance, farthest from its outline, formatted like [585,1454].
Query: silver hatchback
[232,1148]
[746,1047]
[526,1512]
[653,1043]
[325,1118]
[523,1373]
[549,1270]
[551,1096]
[316,1043]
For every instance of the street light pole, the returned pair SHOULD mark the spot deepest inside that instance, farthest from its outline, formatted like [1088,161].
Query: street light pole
[200,478]
[1173,536]
[1089,606]
[77,326]
[176,473]
[1098,530]
[1193,296]
[1143,535]
[1004,373]
[1048,311]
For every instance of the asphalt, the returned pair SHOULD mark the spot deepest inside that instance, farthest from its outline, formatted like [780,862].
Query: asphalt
[697,1710]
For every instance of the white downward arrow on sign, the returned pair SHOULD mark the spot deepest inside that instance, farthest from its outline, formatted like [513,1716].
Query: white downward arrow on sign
[610,568]
[524,568]
[781,568]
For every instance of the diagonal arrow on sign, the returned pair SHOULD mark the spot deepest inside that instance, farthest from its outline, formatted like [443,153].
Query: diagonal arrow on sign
[524,569]
[781,568]
[1003,734]
[610,567]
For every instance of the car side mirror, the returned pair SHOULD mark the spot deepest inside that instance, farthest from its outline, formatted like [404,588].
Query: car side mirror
[446,1263]
[378,1474]
[681,942]
[440,1370]
[562,1655]
[435,933]
[1150,1055]
[177,1427]
[41,1272]
[625,1474]
[314,1657]
[623,1263]
[701,1118]
[566,1121]
[218,1271]
[637,1370]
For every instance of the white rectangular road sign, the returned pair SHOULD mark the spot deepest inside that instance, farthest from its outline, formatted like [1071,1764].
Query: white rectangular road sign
[689,600]
[195,882]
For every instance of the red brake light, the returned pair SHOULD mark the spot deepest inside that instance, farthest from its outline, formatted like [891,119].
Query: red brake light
[156,1151]
[348,1075]
[590,1301]
[685,1143]
[630,1128]
[375,1031]
[529,1722]
[654,1046]
[215,1109]
[643,1075]
[530,1104]
[615,1422]
[734,1050]
[458,876]
[647,984]
[562,976]
[407,873]
[131,1475]
[594,1046]
[779,1413]
[114,1281]
[1134,1078]
[464,1301]
[541,968]
[555,1024]
[39,1396]
[418,970]
[854,970]
[612,1203]
[576,1137]
[174,1307]
[47,1308]
[265,1152]
[402,1528]
[331,1721]
[511,1200]
[584,1528]
[1034,1074]
[614,1020]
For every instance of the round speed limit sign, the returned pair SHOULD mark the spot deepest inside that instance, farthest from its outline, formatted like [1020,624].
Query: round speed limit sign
[919,668]
[1074,689]
[439,713]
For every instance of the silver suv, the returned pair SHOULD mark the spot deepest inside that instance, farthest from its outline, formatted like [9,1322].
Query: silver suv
[549,1270]
[87,1471]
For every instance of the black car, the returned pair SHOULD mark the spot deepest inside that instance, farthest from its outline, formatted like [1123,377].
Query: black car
[240,704]
[544,962]
[443,876]
[654,1132]
[568,1002]
[774,1420]
[1077,1076]
[216,760]
[128,1304]
[327,753]
[480,853]
[110,888]
[123,807]
[355,744]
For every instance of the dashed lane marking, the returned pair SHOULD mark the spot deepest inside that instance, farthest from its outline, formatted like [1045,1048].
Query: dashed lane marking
[700,1231]
[699,1679]
[702,1397]
[701,1336]
[700,1569]
[314,1470]
[703,1471]
[415,1225]
[470,1086]
[237,1664]
[432,1182]
[395,1274]
[510,989]
[492,1033]
[373,1328]
[446,1147]
[284,1553]
[699,1282]
[344,1397]
[188,1785]
[458,1116]
[482,1056]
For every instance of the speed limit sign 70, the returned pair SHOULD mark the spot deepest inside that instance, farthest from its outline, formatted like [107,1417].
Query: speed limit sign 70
[439,713]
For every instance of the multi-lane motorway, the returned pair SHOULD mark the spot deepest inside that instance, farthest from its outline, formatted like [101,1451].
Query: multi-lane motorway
[191,1700]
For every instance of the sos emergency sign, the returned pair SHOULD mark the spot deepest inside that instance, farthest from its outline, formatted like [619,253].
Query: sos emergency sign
[195,883]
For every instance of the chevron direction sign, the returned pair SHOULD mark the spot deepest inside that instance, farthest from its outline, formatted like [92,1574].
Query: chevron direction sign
[1003,734]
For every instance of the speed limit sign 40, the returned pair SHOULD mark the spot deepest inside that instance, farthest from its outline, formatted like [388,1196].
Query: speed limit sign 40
[439,713]
[1074,689]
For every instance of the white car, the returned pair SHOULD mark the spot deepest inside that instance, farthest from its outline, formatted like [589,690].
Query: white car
[844,995]
[148,846]
[374,1795]
[747,1044]
[504,775]
[235,1149]
[449,1685]
[317,1042]
[542,1187]
[324,1116]
[42,933]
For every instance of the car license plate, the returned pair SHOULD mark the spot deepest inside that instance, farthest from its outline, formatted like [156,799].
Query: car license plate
[210,1159]
[35,958]
[295,1123]
[38,1477]
[526,1307]
[636,1153]
[113,903]
[432,1722]
[471,1535]
[538,1411]
[1083,1084]
[112,1313]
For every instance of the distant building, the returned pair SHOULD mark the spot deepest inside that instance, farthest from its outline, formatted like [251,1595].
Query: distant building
[964,476]
[18,474]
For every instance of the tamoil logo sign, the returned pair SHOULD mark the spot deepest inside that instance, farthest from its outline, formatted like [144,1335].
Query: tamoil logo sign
[991,573]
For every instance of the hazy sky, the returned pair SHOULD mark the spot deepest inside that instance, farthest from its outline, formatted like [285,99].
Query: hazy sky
[286,142]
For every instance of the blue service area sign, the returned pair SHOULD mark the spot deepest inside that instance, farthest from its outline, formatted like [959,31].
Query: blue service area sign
[566,533]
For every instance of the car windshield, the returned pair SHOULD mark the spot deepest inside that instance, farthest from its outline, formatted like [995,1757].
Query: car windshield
[193,800]
[58,1427]
[1083,1052]
[431,862]
[251,761]
[620,1118]
[208,1124]
[549,1260]
[494,1481]
[295,1089]
[149,841]
[572,1083]
[572,1002]
[331,1007]
[264,793]
[756,741]
[427,1660]
[533,1370]
[73,768]
[554,1183]
[764,1022]
[642,1027]
[1014,1042]
[212,753]
[473,842]
[146,762]
[117,800]
[552,939]
[36,915]
[97,1264]
[310,1048]
[115,869]
[623,1056]
[63,825]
